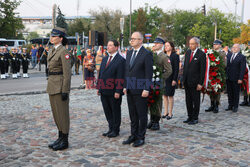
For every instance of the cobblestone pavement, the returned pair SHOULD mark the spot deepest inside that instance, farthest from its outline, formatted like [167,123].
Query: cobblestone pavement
[26,128]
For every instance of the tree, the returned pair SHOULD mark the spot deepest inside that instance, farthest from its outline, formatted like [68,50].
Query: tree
[205,28]
[10,24]
[32,35]
[79,25]
[107,20]
[60,20]
[244,35]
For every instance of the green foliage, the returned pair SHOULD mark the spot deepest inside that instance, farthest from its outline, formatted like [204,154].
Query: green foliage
[107,20]
[79,25]
[9,22]
[32,35]
[205,28]
[60,20]
[175,25]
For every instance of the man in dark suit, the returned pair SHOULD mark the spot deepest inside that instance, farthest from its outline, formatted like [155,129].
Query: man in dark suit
[193,78]
[236,66]
[110,87]
[139,71]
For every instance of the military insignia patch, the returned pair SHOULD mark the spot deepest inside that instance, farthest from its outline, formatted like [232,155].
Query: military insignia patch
[67,56]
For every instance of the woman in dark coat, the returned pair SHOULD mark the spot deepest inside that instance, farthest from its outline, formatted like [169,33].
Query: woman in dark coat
[171,82]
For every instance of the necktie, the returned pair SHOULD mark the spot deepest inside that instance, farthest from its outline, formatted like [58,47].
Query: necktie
[191,57]
[132,58]
[110,57]
[232,58]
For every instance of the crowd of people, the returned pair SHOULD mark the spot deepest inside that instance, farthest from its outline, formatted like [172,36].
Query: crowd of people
[147,76]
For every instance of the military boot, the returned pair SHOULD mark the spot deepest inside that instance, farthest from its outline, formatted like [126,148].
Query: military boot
[57,141]
[156,124]
[150,124]
[63,144]
[245,102]
[216,107]
[211,108]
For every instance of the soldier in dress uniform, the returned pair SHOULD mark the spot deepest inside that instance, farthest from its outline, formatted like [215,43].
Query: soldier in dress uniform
[18,62]
[215,98]
[162,61]
[25,62]
[13,63]
[6,61]
[2,64]
[58,88]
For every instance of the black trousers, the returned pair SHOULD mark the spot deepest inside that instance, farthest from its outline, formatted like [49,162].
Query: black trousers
[138,113]
[233,91]
[2,67]
[192,101]
[18,66]
[7,66]
[112,110]
[14,66]
[25,64]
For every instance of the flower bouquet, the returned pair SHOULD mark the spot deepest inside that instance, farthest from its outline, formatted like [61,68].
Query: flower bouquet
[155,94]
[216,76]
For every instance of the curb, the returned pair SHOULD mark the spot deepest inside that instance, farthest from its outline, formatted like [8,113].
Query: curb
[33,92]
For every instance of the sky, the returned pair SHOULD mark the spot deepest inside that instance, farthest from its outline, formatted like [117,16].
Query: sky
[69,7]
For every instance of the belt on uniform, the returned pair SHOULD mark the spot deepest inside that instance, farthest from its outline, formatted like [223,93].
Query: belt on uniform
[55,73]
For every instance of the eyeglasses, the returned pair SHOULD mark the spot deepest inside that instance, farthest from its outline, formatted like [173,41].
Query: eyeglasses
[133,39]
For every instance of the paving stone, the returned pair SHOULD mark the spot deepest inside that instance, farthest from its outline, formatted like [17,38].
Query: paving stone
[218,140]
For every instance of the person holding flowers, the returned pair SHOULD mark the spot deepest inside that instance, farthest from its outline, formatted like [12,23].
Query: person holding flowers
[161,71]
[217,65]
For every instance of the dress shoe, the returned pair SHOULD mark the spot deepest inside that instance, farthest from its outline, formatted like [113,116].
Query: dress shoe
[130,140]
[57,141]
[106,133]
[229,108]
[164,116]
[170,117]
[193,122]
[63,144]
[112,134]
[155,126]
[235,109]
[149,125]
[138,143]
[188,120]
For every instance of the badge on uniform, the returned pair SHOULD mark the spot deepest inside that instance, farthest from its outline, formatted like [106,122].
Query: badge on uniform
[169,61]
[67,56]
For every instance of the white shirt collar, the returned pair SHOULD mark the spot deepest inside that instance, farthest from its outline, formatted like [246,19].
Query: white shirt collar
[138,50]
[194,51]
[56,46]
[113,55]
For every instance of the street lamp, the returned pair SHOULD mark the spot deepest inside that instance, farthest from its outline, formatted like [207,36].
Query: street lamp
[122,28]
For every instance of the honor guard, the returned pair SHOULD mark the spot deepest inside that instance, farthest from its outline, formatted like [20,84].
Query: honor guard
[164,63]
[25,62]
[18,62]
[58,88]
[215,98]
[13,63]
[6,61]
[2,64]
